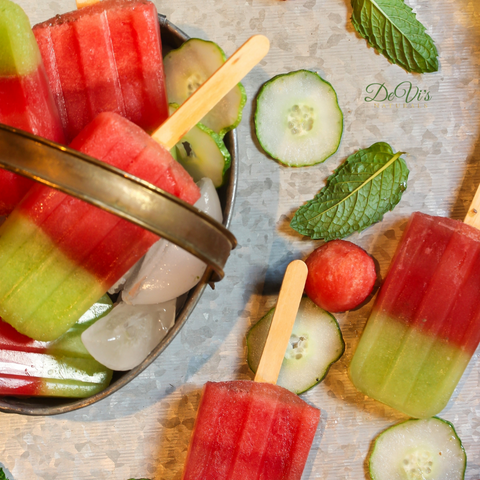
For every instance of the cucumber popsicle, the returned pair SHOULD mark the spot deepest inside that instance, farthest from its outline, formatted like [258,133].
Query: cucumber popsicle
[26,101]
[425,324]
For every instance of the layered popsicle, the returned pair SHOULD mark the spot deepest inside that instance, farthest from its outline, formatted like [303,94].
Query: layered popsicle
[425,324]
[62,368]
[256,430]
[26,101]
[106,57]
[59,254]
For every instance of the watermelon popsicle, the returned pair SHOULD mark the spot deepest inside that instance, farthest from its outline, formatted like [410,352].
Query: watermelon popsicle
[58,254]
[62,368]
[256,430]
[106,57]
[26,101]
[425,324]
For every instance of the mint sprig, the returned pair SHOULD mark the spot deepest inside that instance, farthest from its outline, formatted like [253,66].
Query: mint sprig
[391,27]
[358,193]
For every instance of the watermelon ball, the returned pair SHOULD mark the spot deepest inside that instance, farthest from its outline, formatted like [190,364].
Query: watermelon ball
[341,276]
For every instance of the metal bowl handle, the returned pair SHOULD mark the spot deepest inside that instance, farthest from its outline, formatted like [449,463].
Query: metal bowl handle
[117,192]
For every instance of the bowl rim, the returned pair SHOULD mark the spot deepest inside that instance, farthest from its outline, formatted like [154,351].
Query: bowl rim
[42,406]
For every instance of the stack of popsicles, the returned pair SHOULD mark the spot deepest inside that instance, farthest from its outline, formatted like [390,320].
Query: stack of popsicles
[26,101]
[424,326]
[57,254]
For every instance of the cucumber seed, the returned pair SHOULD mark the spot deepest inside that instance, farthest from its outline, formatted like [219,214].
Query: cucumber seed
[300,119]
[297,347]
[418,465]
[194,81]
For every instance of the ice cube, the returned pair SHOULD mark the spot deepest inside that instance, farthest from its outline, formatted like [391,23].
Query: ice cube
[123,339]
[167,271]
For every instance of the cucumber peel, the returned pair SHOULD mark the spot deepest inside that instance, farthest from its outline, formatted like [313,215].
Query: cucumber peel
[297,119]
[202,153]
[425,449]
[187,67]
[315,344]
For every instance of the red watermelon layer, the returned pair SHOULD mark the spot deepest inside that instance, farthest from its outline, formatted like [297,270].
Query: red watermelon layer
[247,430]
[434,281]
[26,103]
[105,58]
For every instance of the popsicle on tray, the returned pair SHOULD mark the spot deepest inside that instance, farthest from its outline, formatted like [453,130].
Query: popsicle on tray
[425,324]
[106,57]
[26,101]
[256,430]
[62,368]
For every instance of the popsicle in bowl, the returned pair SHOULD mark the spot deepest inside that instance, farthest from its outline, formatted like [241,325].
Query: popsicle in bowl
[425,324]
[58,254]
[26,101]
[106,57]
[62,368]
[256,430]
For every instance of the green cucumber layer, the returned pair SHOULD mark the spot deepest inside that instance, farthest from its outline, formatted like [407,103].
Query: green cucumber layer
[404,368]
[427,449]
[298,120]
[315,344]
[19,54]
[187,68]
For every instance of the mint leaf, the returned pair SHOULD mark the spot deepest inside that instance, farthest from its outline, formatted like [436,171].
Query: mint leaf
[358,193]
[2,475]
[392,28]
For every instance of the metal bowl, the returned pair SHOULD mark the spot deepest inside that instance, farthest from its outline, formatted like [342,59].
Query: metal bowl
[172,37]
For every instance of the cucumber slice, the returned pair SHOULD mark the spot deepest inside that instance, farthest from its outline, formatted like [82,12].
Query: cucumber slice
[426,449]
[203,154]
[297,119]
[315,344]
[187,67]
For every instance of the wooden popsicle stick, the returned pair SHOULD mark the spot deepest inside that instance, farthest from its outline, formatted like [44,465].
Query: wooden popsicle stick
[85,3]
[473,215]
[282,323]
[212,91]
